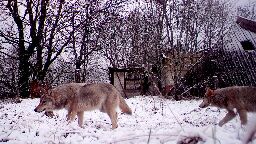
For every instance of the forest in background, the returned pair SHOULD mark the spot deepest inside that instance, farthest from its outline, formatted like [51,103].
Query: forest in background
[54,41]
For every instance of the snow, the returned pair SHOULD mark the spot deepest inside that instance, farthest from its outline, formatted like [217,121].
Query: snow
[154,120]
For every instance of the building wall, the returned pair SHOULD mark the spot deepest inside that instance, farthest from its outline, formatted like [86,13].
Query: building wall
[127,80]
[119,81]
[177,64]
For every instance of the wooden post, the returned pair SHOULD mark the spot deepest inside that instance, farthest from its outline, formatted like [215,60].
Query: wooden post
[216,82]
[78,72]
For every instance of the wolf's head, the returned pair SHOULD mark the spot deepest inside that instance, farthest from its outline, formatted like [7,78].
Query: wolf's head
[47,103]
[207,98]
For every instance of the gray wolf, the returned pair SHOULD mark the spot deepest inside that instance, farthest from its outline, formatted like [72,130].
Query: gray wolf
[241,98]
[78,98]
[102,96]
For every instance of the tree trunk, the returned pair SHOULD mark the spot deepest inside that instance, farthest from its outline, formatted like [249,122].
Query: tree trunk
[39,64]
[24,74]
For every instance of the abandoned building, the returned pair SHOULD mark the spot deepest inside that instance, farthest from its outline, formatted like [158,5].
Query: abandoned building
[233,64]
[186,74]
[174,66]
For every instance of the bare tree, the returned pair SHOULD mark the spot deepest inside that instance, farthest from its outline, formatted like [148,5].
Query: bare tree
[40,32]
[27,35]
[248,10]
[89,23]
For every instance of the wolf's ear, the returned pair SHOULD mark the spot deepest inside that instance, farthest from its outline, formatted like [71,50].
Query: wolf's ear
[209,92]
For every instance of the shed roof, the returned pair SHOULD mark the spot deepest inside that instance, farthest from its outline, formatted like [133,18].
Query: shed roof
[131,69]
[246,24]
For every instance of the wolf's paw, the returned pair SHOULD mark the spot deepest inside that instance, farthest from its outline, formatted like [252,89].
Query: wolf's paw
[83,127]
[114,127]
[69,122]
[49,114]
[215,123]
[221,123]
[244,121]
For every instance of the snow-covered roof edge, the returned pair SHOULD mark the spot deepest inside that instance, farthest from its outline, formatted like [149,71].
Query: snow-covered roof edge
[246,23]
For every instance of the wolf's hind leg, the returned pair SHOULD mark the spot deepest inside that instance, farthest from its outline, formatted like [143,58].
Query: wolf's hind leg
[229,116]
[80,116]
[113,116]
[243,116]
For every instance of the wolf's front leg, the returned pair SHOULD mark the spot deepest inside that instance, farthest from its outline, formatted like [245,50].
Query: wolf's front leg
[80,116]
[229,116]
[243,116]
[71,116]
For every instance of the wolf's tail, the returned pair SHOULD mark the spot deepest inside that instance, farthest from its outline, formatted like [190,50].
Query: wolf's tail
[124,107]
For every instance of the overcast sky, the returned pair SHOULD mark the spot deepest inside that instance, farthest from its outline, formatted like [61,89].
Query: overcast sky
[244,2]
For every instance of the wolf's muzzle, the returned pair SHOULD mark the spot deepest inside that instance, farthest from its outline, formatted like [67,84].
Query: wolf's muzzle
[36,110]
[202,106]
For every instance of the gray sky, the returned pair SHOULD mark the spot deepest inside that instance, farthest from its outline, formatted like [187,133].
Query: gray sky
[244,2]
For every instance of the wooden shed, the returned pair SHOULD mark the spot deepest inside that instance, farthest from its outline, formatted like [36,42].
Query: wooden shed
[127,80]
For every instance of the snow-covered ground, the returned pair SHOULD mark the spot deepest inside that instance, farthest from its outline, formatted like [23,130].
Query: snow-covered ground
[154,121]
